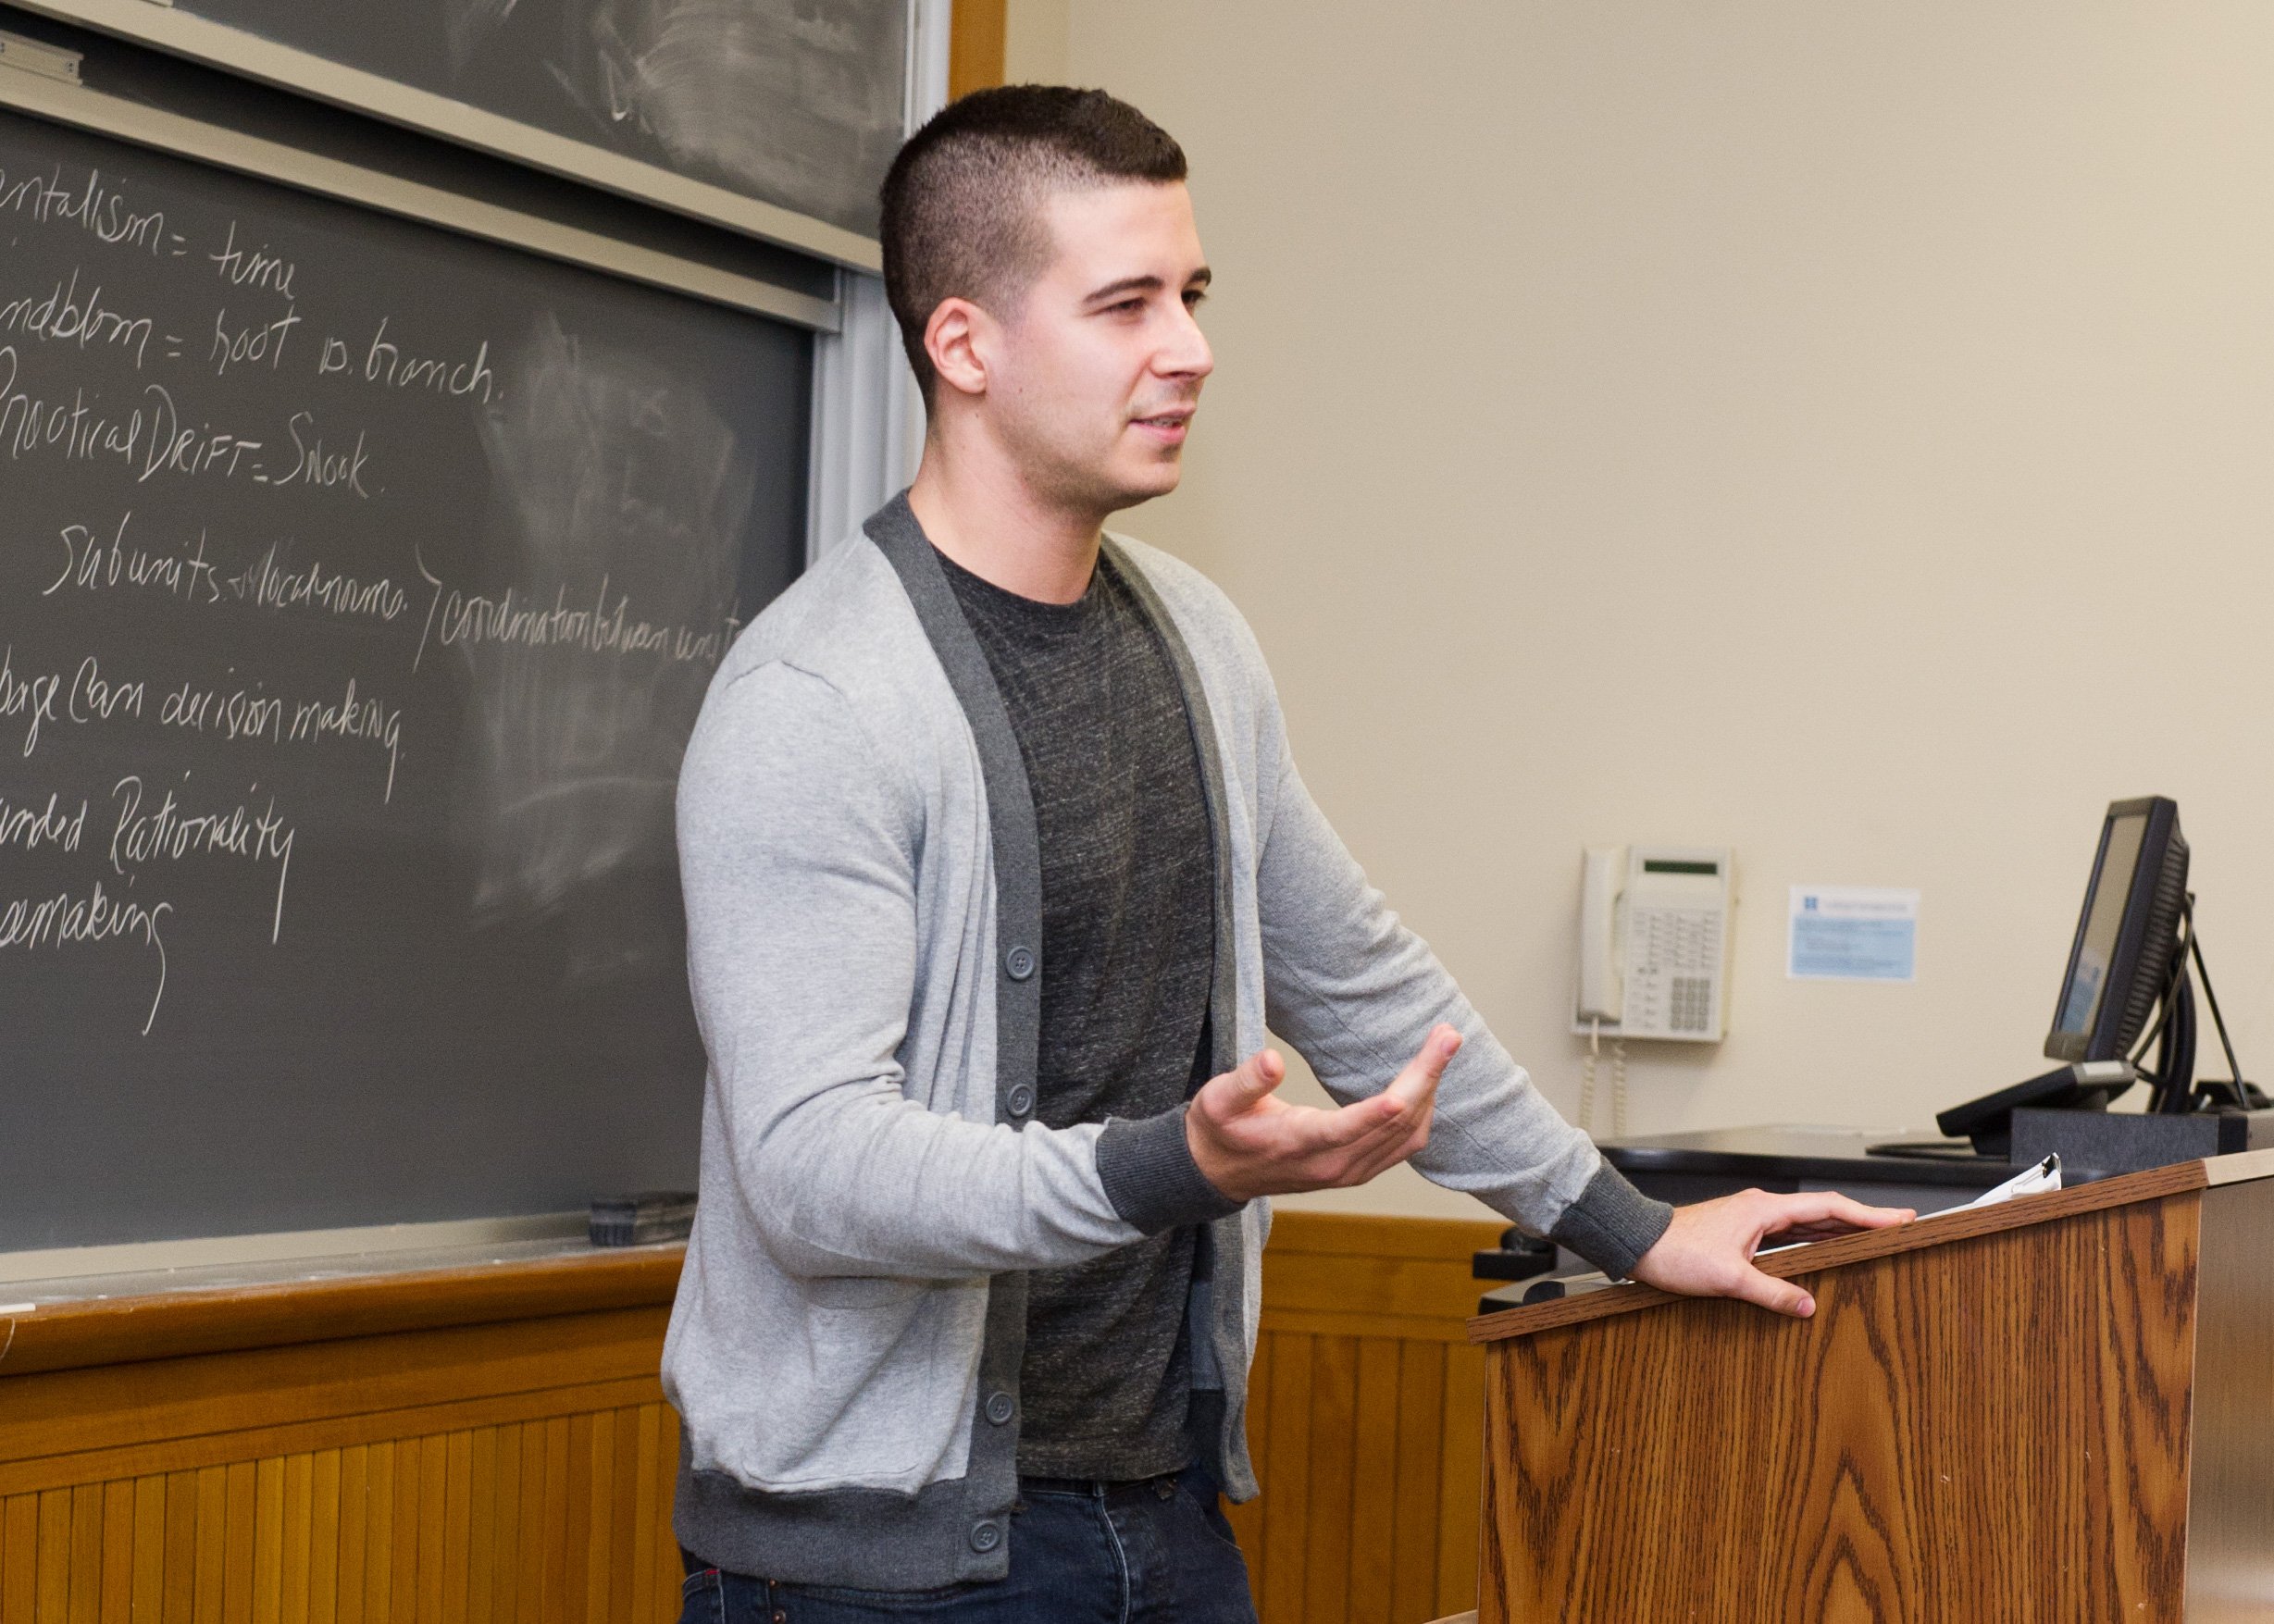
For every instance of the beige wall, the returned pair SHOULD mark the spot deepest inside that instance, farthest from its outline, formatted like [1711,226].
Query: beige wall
[1839,431]
[1034,46]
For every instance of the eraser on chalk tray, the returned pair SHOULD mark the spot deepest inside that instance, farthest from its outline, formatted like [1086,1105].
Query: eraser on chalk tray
[642,1219]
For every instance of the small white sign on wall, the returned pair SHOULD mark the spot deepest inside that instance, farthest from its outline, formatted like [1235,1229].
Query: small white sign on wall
[1852,933]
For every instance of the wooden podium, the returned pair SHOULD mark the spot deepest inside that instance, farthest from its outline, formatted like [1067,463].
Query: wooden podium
[2061,1409]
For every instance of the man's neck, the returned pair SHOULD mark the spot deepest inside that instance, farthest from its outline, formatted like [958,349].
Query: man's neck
[993,524]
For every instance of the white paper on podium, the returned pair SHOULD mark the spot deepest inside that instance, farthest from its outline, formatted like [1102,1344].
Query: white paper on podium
[2030,1181]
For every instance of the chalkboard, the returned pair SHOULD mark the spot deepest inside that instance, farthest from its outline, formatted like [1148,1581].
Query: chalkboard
[359,583]
[796,103]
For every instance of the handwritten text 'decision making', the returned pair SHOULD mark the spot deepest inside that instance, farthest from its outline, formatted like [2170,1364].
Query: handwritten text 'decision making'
[36,700]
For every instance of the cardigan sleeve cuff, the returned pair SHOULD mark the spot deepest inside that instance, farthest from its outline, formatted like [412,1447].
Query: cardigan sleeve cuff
[1612,1223]
[1150,1177]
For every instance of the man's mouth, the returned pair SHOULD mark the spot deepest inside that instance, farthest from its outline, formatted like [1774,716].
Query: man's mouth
[1171,423]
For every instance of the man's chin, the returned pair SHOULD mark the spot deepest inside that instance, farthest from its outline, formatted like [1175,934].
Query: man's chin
[1113,487]
[1134,487]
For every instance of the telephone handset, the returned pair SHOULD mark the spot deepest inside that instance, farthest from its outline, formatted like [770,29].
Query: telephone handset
[1654,942]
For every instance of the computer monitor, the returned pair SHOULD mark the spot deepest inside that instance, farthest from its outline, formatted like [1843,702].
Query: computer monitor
[2120,961]
[2119,964]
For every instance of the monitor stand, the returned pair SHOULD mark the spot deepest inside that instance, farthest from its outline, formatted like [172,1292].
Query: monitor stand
[1983,1129]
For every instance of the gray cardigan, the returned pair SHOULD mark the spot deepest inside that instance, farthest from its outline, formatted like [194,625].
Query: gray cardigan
[863,910]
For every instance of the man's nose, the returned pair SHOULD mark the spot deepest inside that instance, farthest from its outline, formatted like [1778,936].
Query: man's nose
[1187,354]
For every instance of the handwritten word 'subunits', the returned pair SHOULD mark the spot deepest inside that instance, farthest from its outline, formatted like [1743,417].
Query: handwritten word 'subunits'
[91,565]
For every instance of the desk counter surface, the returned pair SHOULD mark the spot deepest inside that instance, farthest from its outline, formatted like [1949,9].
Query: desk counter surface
[1799,1153]
[73,1323]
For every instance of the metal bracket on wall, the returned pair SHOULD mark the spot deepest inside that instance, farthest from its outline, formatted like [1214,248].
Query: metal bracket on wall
[31,56]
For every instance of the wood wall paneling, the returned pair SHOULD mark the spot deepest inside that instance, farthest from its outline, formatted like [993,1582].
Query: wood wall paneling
[484,1472]
[404,1471]
[1366,1421]
[408,1530]
[975,46]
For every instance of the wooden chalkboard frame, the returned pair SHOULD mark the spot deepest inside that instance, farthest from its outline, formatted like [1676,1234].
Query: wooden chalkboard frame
[200,40]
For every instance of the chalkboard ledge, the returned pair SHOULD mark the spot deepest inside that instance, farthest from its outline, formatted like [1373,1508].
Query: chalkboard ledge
[78,1323]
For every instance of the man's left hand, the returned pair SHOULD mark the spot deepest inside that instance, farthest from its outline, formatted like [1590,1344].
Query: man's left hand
[1708,1250]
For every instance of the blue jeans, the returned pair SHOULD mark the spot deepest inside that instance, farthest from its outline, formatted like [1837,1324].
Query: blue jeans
[1159,1552]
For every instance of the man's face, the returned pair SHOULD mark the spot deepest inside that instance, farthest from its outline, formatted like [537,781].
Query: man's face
[1098,370]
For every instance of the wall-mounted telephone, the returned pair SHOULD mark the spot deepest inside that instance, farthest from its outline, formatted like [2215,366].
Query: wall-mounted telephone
[1654,942]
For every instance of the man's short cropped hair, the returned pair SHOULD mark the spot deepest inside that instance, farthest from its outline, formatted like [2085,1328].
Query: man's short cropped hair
[963,203]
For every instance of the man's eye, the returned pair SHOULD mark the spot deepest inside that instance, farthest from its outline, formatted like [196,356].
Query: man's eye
[1195,298]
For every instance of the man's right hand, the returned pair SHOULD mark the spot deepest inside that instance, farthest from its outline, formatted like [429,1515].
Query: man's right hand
[1249,1142]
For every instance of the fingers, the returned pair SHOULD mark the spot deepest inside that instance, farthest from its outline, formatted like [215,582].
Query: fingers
[1398,1143]
[1816,1206]
[1780,1296]
[1398,1149]
[1247,1086]
[1419,1080]
[1377,1135]
[1274,1147]
[1350,1146]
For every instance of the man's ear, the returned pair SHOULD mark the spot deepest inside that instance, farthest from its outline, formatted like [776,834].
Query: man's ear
[957,338]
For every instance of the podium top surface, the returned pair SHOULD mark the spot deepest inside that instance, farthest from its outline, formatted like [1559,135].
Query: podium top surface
[1934,1230]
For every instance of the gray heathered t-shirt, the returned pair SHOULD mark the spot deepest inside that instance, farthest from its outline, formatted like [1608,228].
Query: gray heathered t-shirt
[1128,948]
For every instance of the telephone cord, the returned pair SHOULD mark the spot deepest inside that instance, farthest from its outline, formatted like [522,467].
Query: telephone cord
[1586,1081]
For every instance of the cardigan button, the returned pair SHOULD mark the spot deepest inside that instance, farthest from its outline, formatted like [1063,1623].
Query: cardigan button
[1001,1408]
[1020,962]
[985,1537]
[1022,1099]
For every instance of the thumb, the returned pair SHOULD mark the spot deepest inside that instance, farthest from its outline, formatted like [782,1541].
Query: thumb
[1247,1086]
[1778,1295]
[1424,1069]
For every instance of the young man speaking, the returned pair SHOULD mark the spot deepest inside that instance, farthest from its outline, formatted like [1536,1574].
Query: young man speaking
[997,867]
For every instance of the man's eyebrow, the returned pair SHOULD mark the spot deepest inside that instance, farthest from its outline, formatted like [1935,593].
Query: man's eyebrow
[1147,284]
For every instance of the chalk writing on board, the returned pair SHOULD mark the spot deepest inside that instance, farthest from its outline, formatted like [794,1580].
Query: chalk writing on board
[92,564]
[94,695]
[66,315]
[280,582]
[162,828]
[384,362]
[251,267]
[69,919]
[358,586]
[255,342]
[598,622]
[94,206]
[30,826]
[337,467]
[598,454]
